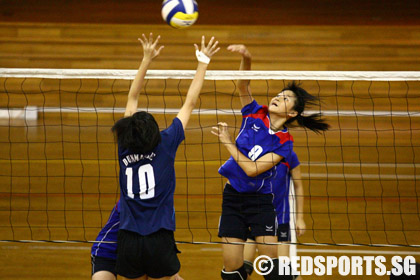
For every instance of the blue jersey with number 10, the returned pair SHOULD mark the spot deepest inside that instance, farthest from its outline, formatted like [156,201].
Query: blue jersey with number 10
[254,140]
[147,184]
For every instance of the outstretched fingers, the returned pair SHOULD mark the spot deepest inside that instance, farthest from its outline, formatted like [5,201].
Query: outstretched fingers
[158,51]
[208,49]
[149,44]
[230,47]
[203,41]
[221,131]
[156,41]
[215,131]
[213,49]
[233,48]
[214,45]
[241,49]
[223,125]
[144,38]
[210,42]
[220,128]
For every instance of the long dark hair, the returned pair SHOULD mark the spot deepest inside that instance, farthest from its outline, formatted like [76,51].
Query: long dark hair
[139,133]
[313,122]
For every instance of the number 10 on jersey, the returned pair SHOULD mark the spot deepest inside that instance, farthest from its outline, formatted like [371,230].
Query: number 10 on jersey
[146,181]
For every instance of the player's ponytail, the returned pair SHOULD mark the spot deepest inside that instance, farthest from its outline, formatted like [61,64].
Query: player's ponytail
[314,122]
[138,133]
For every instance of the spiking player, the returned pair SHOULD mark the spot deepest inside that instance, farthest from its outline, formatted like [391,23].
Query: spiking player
[146,245]
[262,143]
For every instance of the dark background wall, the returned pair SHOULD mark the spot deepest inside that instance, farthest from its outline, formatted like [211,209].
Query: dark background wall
[220,12]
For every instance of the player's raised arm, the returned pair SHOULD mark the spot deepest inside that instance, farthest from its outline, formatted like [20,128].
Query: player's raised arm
[149,52]
[203,57]
[244,87]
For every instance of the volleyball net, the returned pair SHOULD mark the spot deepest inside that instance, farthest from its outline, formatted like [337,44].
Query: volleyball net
[59,167]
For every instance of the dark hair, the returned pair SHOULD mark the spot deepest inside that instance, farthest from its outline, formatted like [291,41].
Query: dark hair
[138,133]
[314,121]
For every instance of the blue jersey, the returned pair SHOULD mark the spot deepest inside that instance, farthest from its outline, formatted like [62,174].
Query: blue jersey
[147,184]
[281,188]
[254,140]
[109,234]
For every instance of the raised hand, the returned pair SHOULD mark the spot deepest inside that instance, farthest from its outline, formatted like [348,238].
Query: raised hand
[241,49]
[210,49]
[149,47]
[222,132]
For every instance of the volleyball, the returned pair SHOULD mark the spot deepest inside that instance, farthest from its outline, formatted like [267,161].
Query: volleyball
[180,13]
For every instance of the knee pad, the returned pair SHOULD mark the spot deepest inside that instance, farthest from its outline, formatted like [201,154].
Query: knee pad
[239,274]
[274,274]
[249,267]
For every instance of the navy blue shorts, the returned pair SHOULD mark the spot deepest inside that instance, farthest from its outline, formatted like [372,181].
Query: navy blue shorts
[154,255]
[283,233]
[103,264]
[247,213]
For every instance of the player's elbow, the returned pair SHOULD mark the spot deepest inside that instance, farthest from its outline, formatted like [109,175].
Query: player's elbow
[188,107]
[190,103]
[251,171]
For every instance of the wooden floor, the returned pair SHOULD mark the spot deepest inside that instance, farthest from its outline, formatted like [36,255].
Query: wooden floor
[46,261]
[58,174]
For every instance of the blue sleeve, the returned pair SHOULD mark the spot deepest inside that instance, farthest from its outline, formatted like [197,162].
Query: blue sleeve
[294,161]
[251,108]
[285,150]
[175,133]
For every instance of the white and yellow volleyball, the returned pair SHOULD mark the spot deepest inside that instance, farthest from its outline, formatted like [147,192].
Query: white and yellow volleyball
[180,13]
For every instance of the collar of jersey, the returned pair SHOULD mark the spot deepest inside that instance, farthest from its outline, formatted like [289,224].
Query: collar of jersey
[284,130]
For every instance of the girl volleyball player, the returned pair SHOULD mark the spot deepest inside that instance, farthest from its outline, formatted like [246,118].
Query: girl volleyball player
[262,143]
[285,172]
[104,252]
[146,245]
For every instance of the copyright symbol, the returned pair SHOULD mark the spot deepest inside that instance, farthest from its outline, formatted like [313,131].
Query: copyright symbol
[263,265]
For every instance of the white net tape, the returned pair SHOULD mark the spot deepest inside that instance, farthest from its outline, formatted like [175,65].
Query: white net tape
[211,75]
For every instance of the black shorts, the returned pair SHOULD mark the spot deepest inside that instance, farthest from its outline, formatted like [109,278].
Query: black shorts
[283,233]
[103,264]
[154,255]
[244,213]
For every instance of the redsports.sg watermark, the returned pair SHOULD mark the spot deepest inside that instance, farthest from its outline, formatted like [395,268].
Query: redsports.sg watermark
[321,266]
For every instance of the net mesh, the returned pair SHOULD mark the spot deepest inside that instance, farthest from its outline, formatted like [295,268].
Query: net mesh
[59,168]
